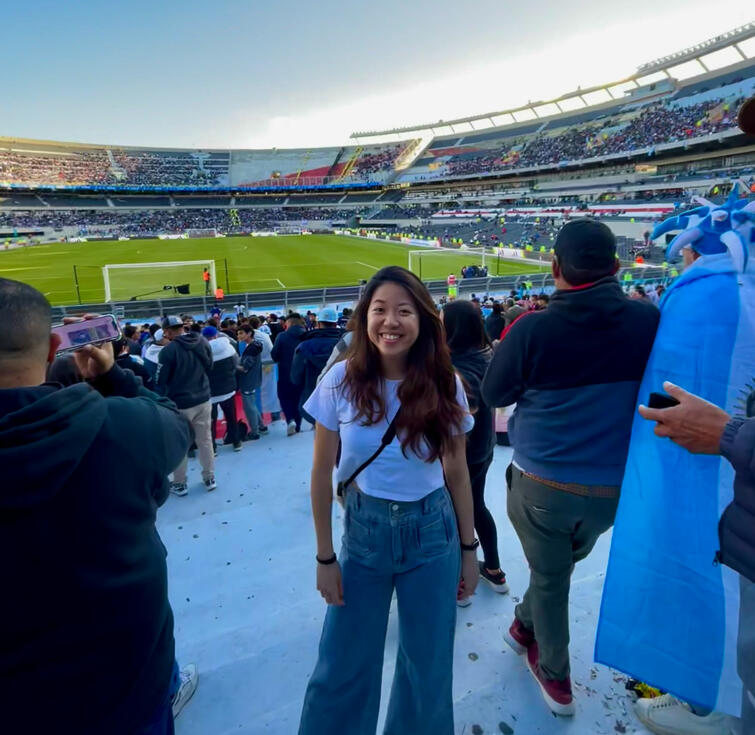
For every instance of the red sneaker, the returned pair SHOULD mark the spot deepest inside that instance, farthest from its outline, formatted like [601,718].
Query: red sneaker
[519,637]
[557,693]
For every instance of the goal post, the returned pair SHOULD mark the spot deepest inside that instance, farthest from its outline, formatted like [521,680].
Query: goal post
[127,281]
[434,264]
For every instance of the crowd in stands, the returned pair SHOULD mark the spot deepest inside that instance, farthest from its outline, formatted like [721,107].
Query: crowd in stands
[142,222]
[662,122]
[95,167]
[372,163]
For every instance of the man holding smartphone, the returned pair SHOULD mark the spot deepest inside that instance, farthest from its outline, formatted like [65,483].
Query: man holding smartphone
[86,629]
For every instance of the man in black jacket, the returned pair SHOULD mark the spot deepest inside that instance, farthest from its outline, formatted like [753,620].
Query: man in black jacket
[573,370]
[312,354]
[225,360]
[183,371]
[86,630]
[283,353]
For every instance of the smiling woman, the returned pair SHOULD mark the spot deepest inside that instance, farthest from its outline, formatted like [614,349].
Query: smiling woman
[396,389]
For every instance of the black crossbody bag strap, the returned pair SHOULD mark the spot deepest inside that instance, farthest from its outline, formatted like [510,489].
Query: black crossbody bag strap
[388,437]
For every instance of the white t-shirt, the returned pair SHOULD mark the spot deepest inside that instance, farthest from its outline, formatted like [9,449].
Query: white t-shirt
[391,476]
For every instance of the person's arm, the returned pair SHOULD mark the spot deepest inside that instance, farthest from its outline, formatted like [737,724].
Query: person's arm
[457,480]
[276,351]
[166,432]
[695,424]
[504,380]
[297,367]
[164,372]
[323,462]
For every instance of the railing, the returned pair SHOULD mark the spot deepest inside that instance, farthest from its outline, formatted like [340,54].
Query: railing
[267,301]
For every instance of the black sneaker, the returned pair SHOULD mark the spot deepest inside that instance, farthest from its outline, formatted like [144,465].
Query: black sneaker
[496,581]
[253,437]
[237,447]
[179,488]
[264,430]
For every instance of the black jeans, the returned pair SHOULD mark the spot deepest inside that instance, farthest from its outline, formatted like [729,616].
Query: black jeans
[483,519]
[232,426]
[289,395]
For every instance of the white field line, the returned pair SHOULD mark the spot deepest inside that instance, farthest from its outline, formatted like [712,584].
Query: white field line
[367,265]
[282,285]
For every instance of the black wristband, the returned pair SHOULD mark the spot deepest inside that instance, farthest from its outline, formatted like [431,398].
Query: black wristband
[332,560]
[470,547]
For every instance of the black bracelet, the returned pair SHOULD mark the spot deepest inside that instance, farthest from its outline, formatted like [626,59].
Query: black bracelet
[332,560]
[471,547]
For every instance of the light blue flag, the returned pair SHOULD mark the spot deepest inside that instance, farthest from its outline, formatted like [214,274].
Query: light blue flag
[670,613]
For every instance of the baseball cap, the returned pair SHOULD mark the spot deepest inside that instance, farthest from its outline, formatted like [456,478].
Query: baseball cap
[327,315]
[746,116]
[172,321]
[209,332]
[159,334]
[586,245]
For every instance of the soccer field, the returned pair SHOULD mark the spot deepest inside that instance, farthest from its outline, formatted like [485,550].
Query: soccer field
[254,264]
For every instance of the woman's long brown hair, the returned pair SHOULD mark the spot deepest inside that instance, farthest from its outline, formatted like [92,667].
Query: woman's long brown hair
[429,410]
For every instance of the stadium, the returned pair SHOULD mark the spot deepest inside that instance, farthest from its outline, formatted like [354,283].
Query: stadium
[107,228]
[629,152]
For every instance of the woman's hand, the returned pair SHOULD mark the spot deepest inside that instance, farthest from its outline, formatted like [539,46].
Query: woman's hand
[329,583]
[470,573]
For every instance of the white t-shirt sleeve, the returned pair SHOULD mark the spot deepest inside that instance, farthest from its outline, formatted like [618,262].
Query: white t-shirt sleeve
[467,423]
[323,404]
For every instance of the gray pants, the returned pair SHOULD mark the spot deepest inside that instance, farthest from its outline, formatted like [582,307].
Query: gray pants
[557,529]
[746,653]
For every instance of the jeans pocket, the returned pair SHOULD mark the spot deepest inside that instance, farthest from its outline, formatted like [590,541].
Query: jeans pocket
[358,537]
[433,536]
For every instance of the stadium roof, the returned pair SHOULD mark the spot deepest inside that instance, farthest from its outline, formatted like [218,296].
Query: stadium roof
[723,50]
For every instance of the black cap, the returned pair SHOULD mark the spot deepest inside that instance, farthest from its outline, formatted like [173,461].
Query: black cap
[585,245]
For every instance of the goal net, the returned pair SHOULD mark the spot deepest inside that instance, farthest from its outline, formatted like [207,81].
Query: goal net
[129,281]
[435,264]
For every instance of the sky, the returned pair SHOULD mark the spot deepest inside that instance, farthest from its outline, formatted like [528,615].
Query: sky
[284,73]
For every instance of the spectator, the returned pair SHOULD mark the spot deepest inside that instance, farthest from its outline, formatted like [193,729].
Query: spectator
[512,312]
[495,322]
[312,354]
[151,355]
[250,376]
[96,582]
[470,355]
[131,333]
[401,521]
[282,353]
[127,361]
[150,339]
[225,361]
[183,370]
[268,395]
[577,364]
[275,326]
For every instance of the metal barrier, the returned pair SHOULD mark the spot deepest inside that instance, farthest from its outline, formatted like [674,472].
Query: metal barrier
[285,300]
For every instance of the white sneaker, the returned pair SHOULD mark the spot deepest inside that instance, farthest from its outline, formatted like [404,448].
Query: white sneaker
[291,428]
[179,488]
[189,680]
[465,602]
[210,483]
[667,715]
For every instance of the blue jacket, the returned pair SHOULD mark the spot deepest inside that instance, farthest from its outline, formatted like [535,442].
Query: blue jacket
[573,370]
[283,351]
[310,357]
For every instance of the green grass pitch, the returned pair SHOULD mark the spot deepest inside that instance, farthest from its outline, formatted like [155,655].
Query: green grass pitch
[254,264]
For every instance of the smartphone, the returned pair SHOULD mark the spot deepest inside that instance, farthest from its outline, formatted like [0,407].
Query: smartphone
[91,331]
[661,400]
